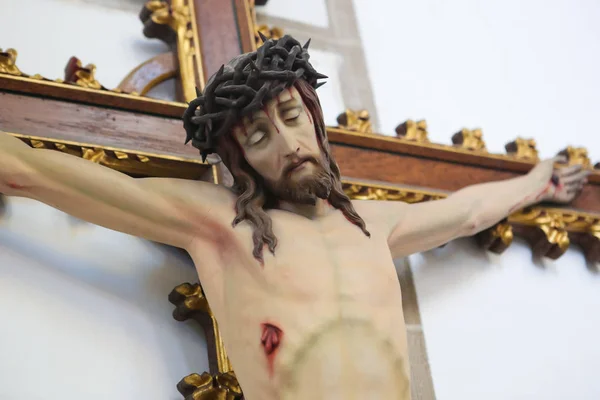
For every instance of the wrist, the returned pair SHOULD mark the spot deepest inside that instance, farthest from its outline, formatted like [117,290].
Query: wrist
[541,188]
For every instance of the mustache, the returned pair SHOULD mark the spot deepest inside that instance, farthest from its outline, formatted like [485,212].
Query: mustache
[297,161]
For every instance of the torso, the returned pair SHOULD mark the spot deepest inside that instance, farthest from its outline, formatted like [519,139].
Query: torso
[322,319]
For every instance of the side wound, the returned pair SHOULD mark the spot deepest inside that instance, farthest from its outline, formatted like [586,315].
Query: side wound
[270,340]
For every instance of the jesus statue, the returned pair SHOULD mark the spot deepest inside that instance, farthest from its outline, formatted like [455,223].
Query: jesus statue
[300,278]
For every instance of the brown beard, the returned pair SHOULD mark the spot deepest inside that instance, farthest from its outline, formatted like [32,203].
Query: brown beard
[255,195]
[306,190]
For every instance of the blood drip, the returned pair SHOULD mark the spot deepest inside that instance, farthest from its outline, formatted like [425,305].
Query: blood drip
[266,110]
[270,340]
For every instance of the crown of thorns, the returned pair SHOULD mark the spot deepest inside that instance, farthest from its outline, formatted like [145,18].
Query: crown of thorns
[243,86]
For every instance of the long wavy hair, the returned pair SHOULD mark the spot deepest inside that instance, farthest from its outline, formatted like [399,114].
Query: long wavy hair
[254,194]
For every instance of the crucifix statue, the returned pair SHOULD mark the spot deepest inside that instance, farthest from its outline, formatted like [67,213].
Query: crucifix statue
[299,276]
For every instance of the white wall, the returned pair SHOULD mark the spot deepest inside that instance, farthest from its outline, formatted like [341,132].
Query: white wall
[497,327]
[47,33]
[84,310]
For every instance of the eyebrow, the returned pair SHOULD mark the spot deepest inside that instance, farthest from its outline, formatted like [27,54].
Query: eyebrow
[287,102]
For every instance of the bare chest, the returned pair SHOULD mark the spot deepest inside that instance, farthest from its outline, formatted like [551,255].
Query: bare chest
[326,261]
[327,284]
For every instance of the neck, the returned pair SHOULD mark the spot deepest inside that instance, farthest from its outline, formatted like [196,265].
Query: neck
[320,209]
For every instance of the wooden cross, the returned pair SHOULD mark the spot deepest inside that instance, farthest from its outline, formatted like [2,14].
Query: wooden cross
[125,130]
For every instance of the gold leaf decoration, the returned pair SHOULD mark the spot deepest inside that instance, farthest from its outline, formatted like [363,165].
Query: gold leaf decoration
[469,139]
[270,33]
[577,155]
[81,76]
[8,62]
[524,149]
[222,386]
[357,121]
[413,131]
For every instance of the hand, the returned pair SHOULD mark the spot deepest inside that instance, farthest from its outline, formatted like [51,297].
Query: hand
[560,185]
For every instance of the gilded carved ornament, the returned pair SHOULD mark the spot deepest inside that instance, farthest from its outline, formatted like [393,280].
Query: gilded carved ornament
[190,302]
[266,32]
[8,62]
[123,160]
[363,192]
[75,74]
[175,15]
[357,121]
[497,238]
[414,131]
[523,149]
[553,226]
[172,22]
[469,139]
[221,386]
[577,155]
[81,76]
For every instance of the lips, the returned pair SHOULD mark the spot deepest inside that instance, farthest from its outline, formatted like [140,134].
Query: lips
[295,166]
[298,166]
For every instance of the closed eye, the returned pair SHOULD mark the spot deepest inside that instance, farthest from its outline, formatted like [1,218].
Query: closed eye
[292,114]
[256,138]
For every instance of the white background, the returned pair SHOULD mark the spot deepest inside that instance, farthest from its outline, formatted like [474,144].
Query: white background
[84,310]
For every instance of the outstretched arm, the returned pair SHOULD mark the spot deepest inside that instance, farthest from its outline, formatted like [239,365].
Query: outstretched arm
[157,209]
[424,226]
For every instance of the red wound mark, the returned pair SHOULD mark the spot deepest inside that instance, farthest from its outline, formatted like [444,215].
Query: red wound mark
[535,197]
[15,186]
[271,119]
[270,340]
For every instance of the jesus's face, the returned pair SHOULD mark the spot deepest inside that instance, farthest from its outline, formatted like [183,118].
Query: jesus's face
[280,143]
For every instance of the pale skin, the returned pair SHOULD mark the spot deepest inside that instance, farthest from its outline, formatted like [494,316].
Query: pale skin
[322,317]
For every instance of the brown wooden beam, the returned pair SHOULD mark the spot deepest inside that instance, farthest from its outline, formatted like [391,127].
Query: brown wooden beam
[361,156]
[225,31]
[46,88]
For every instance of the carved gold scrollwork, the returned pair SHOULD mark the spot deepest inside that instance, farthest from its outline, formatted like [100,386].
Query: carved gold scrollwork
[357,121]
[414,131]
[584,230]
[270,33]
[469,139]
[496,239]
[175,15]
[577,155]
[122,160]
[222,386]
[188,299]
[8,62]
[95,155]
[190,302]
[550,237]
[523,149]
[81,76]
[361,192]
[172,22]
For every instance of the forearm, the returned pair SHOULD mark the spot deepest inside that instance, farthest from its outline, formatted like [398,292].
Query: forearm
[489,203]
[86,190]
[12,168]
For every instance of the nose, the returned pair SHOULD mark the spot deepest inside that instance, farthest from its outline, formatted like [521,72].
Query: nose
[289,144]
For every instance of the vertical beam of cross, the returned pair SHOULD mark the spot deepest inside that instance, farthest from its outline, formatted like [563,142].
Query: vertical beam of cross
[203,33]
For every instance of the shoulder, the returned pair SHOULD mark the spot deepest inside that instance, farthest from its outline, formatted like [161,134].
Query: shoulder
[186,187]
[384,214]
[199,196]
